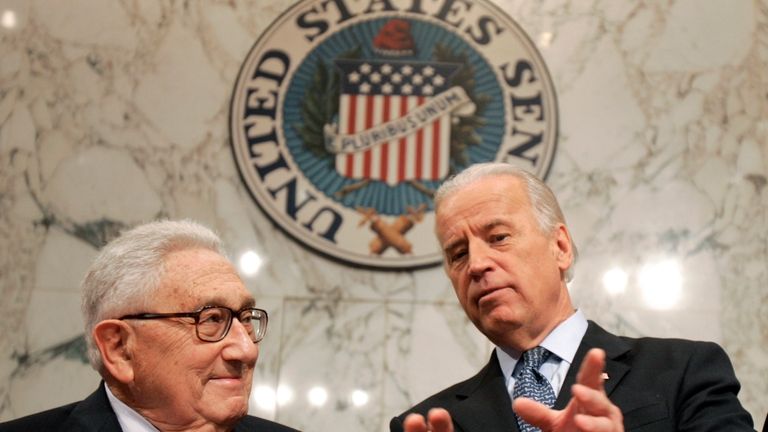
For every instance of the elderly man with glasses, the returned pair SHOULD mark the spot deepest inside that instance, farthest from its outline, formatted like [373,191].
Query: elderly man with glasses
[173,332]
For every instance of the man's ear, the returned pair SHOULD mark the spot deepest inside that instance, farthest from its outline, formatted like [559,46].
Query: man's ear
[563,247]
[115,340]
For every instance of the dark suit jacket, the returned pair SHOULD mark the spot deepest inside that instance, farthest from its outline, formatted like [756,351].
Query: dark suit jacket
[659,385]
[95,414]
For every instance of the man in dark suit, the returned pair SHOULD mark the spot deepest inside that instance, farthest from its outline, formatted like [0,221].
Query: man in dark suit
[509,254]
[174,334]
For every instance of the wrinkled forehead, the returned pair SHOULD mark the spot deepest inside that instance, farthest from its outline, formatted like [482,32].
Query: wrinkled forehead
[199,277]
[484,202]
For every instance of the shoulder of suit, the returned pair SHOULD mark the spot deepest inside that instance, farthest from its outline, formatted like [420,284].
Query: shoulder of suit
[653,350]
[44,420]
[672,343]
[677,348]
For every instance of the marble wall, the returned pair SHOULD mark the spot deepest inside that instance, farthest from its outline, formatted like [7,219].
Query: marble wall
[116,112]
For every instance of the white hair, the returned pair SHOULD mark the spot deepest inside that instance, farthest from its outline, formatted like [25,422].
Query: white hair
[128,270]
[546,210]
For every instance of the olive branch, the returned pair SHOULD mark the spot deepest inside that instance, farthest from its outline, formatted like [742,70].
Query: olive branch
[321,105]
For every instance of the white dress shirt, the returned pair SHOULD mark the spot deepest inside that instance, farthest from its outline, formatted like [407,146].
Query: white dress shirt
[129,419]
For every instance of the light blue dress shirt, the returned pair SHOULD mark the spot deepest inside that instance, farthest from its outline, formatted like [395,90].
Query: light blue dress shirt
[562,342]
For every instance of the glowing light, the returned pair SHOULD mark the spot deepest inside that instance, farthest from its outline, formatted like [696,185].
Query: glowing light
[264,397]
[661,284]
[250,263]
[8,19]
[317,396]
[359,398]
[284,395]
[545,39]
[615,281]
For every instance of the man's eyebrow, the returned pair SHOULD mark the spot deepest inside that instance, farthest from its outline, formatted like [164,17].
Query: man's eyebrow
[488,226]
[251,302]
[453,245]
[224,301]
[494,223]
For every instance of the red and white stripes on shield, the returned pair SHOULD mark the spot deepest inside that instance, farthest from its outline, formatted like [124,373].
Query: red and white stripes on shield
[422,155]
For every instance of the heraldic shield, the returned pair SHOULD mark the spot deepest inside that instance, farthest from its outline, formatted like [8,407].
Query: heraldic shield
[394,120]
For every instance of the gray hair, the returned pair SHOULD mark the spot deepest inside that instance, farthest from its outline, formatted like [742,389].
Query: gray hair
[546,210]
[129,268]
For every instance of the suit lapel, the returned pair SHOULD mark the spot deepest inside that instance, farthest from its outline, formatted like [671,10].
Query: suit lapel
[483,403]
[614,347]
[93,414]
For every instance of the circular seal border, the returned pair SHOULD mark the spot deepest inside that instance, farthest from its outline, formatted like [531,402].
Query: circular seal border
[301,189]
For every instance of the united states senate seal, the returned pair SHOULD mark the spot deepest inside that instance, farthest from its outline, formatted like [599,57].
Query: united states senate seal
[347,115]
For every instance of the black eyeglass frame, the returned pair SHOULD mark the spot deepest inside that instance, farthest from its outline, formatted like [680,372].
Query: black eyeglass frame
[258,335]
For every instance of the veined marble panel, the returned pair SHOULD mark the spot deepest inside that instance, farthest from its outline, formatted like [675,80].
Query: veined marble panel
[115,112]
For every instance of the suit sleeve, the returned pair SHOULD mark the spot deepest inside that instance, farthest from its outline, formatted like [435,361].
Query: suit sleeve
[708,395]
[395,425]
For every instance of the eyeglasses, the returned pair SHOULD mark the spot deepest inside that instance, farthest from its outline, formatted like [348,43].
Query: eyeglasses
[212,323]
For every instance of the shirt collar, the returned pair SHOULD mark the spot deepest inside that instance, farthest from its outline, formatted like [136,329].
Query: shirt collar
[129,419]
[563,342]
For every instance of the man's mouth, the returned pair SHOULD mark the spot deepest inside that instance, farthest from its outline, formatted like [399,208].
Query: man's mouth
[234,382]
[489,294]
[227,377]
[488,290]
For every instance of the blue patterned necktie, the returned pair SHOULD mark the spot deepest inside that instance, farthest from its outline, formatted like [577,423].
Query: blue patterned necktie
[530,383]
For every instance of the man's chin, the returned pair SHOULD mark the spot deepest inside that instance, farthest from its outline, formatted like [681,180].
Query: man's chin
[495,315]
[229,411]
[227,395]
[498,325]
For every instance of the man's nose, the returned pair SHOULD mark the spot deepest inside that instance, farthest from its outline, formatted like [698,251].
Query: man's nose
[239,345]
[479,258]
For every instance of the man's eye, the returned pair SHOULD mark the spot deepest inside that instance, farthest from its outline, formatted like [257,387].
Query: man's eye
[457,256]
[499,237]
[213,318]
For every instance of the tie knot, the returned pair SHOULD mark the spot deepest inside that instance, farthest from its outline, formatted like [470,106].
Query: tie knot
[533,358]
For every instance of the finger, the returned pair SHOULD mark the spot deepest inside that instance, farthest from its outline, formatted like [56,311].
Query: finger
[591,370]
[440,420]
[414,423]
[595,403]
[587,423]
[535,413]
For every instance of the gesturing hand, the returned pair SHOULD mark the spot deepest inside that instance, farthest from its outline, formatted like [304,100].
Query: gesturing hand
[589,410]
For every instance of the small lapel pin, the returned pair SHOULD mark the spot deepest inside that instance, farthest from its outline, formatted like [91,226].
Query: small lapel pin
[604,376]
